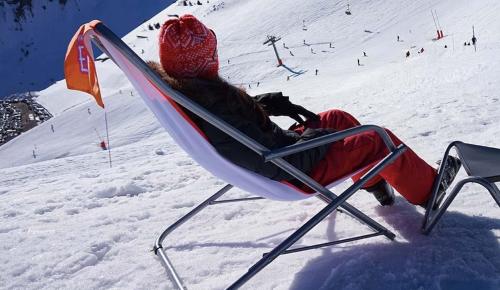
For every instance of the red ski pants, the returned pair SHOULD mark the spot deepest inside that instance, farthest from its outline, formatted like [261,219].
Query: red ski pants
[411,176]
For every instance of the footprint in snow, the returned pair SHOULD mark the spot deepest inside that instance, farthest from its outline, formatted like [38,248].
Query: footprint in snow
[72,211]
[427,133]
[232,215]
[46,209]
[183,205]
[80,260]
[184,163]
[11,213]
[129,189]
[19,270]
[140,216]
[4,230]
[89,175]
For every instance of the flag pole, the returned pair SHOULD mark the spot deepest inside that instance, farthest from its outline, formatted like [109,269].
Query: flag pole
[107,136]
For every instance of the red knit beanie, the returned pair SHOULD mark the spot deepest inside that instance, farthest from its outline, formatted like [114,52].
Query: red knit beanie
[188,49]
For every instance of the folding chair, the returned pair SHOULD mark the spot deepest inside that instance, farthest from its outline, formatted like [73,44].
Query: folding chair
[482,165]
[164,103]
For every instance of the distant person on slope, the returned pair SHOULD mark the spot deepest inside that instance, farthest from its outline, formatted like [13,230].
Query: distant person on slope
[189,63]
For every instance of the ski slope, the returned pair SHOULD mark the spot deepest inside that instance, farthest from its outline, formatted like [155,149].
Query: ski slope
[69,221]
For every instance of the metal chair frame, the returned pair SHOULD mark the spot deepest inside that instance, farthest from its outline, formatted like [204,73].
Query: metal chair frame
[433,216]
[275,156]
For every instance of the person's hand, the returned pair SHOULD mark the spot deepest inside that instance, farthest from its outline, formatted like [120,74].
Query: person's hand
[298,111]
[275,104]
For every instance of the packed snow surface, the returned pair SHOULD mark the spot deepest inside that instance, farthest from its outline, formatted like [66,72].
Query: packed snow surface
[69,221]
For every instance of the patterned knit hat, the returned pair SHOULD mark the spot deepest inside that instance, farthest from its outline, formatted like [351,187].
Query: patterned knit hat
[188,49]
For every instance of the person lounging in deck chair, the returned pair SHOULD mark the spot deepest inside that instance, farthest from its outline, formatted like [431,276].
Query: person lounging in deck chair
[189,63]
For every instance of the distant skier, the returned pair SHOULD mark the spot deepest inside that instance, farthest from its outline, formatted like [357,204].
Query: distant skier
[407,53]
[34,154]
[291,53]
[422,50]
[196,64]
[474,40]
[52,128]
[364,54]
[359,62]
[316,72]
[88,111]
[398,38]
[103,145]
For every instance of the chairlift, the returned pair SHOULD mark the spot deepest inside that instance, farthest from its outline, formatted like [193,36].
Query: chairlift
[348,11]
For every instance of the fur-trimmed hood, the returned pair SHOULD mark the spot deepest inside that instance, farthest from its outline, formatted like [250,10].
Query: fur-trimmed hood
[217,94]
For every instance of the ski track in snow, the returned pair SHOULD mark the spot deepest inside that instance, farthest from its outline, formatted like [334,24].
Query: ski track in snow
[69,221]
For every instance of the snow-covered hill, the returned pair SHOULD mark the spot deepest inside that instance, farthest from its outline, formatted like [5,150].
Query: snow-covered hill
[34,35]
[70,221]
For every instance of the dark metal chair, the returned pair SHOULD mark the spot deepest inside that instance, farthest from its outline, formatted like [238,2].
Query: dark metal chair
[159,96]
[481,163]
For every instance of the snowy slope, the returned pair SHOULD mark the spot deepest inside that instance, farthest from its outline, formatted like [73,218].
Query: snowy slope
[32,48]
[90,226]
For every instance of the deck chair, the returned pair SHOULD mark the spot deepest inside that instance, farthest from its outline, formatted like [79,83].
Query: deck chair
[165,103]
[482,165]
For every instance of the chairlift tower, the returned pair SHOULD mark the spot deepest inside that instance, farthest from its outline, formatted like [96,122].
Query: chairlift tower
[271,41]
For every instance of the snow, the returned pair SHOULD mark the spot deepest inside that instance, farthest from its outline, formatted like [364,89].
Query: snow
[69,221]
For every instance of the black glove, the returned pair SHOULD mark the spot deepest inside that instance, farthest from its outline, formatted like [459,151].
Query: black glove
[310,133]
[275,104]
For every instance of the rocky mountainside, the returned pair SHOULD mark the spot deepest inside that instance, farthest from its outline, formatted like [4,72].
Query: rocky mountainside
[23,8]
[32,58]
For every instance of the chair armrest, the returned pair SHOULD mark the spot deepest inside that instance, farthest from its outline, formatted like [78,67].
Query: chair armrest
[332,137]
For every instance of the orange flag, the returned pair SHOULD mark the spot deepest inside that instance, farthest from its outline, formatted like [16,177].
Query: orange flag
[79,66]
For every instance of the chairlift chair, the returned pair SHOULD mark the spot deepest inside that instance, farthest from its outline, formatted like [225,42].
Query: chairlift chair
[348,11]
